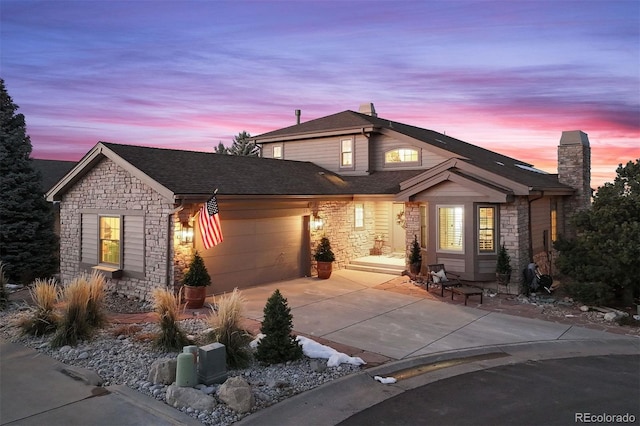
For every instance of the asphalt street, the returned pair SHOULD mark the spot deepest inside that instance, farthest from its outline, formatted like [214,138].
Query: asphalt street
[565,391]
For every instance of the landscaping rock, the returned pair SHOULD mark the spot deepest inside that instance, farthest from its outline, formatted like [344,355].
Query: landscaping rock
[584,308]
[610,316]
[163,371]
[236,393]
[181,397]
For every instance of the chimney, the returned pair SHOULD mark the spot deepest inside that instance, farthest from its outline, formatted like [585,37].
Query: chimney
[298,112]
[368,109]
[574,169]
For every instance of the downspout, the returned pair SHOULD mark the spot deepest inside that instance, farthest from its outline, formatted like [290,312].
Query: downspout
[529,202]
[169,277]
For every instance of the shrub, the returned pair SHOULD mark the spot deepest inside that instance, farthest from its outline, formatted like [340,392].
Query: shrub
[74,325]
[197,275]
[4,297]
[279,344]
[96,316]
[171,335]
[43,319]
[589,293]
[416,255]
[226,329]
[324,253]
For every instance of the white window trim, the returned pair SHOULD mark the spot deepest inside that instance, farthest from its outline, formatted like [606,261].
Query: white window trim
[356,207]
[353,154]
[402,163]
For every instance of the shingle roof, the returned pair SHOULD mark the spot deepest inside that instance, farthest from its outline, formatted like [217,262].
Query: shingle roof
[473,154]
[199,173]
[52,171]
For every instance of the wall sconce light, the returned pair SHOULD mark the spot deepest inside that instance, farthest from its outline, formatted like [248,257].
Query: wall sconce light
[186,233]
[316,223]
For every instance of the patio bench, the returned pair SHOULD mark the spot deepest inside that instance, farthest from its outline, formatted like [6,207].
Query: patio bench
[466,291]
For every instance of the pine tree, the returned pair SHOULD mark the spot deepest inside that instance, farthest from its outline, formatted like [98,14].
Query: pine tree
[243,146]
[279,344]
[28,244]
[221,149]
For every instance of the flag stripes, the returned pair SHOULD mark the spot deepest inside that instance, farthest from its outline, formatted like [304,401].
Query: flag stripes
[209,221]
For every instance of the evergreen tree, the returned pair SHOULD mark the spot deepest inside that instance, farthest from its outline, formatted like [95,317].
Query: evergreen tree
[279,344]
[197,275]
[221,149]
[607,246]
[28,244]
[243,146]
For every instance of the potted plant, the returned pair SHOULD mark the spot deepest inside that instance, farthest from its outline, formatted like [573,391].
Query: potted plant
[415,258]
[503,266]
[195,283]
[324,257]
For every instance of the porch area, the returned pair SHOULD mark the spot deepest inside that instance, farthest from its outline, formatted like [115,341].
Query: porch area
[392,264]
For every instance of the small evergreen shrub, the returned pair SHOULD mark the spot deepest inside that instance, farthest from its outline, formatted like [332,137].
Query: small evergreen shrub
[279,344]
[74,325]
[43,319]
[324,253]
[589,293]
[226,329]
[166,305]
[197,274]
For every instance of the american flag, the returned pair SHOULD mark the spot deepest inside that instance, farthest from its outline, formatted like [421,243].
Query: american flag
[209,221]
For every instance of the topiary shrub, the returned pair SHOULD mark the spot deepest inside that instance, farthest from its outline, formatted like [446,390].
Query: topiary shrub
[279,344]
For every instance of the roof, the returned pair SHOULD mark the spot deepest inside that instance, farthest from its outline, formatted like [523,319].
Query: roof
[51,171]
[518,171]
[179,173]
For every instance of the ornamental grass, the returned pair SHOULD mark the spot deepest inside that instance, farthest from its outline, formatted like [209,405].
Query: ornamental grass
[166,305]
[43,319]
[226,329]
[96,316]
[74,325]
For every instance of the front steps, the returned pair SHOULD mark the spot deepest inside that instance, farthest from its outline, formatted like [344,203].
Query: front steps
[380,264]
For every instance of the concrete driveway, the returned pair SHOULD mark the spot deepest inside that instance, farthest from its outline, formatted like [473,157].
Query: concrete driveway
[347,309]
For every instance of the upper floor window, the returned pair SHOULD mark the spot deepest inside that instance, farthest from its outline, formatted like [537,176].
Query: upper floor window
[486,229]
[110,240]
[451,228]
[346,153]
[401,155]
[277,151]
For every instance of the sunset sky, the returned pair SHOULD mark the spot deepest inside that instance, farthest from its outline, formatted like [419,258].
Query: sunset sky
[509,76]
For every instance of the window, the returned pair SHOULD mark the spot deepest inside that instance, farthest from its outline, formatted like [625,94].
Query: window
[486,229]
[359,215]
[346,153]
[554,221]
[277,151]
[451,228]
[110,240]
[423,226]
[402,155]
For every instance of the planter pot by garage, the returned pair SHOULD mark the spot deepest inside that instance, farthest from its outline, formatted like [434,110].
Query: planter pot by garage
[414,268]
[324,270]
[503,279]
[194,296]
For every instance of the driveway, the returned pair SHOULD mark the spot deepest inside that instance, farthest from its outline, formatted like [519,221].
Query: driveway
[348,309]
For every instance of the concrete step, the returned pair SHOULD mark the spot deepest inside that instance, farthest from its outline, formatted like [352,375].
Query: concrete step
[382,268]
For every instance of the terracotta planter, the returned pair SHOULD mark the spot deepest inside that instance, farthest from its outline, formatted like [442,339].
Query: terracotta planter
[414,268]
[194,296]
[324,269]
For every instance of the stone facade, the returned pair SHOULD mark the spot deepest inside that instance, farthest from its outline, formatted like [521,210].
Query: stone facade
[412,226]
[574,169]
[107,188]
[514,234]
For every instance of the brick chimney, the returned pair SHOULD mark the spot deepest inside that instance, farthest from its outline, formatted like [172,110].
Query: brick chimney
[574,169]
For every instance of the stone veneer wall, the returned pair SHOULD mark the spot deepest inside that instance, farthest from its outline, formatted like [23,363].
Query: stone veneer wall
[347,242]
[574,169]
[412,226]
[514,234]
[108,187]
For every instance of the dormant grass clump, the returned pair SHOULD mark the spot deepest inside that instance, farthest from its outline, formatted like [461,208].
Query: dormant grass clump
[226,329]
[83,311]
[167,307]
[43,318]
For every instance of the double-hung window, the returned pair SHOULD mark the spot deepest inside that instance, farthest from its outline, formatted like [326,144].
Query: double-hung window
[451,228]
[110,238]
[359,215]
[486,229]
[346,153]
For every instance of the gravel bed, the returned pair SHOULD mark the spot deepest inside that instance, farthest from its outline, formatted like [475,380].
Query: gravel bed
[121,355]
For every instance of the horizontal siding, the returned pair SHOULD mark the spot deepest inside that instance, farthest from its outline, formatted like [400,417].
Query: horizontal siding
[452,189]
[453,264]
[487,266]
[380,144]
[134,243]
[540,222]
[89,243]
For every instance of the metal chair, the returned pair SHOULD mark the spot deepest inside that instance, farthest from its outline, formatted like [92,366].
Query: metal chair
[438,275]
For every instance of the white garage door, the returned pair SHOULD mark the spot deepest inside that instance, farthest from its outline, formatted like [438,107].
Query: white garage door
[257,251]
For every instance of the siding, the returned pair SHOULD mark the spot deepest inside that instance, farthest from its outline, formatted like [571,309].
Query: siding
[89,239]
[540,222]
[133,243]
[383,143]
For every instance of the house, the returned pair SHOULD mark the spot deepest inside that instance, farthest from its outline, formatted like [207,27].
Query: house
[367,183]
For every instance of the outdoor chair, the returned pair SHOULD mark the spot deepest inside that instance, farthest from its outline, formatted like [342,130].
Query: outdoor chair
[438,276]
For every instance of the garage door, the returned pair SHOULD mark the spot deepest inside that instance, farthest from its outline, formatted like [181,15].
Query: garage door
[257,251]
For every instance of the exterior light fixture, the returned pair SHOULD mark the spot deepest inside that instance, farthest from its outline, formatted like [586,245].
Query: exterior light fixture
[186,233]
[316,223]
